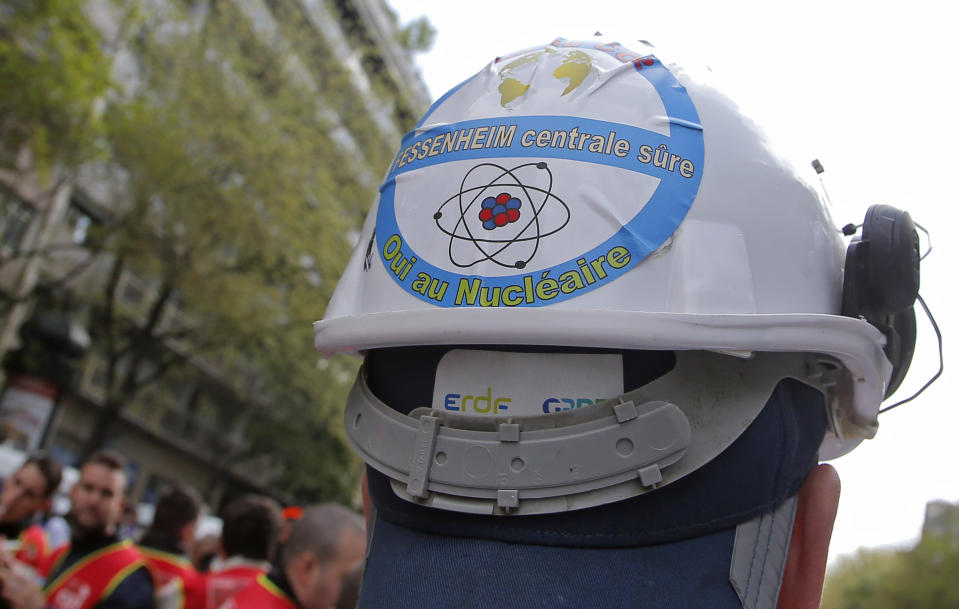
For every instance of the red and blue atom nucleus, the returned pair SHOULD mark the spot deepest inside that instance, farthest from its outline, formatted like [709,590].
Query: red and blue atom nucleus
[499,210]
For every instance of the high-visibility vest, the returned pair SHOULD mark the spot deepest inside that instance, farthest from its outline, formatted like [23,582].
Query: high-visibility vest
[166,566]
[210,590]
[261,594]
[34,547]
[170,573]
[92,578]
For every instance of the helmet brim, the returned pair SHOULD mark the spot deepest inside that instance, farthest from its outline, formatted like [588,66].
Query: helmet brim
[854,344]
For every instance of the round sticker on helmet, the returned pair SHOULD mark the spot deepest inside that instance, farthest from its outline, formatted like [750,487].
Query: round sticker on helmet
[526,202]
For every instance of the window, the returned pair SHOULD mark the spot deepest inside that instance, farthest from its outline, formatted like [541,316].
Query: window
[15,218]
[78,222]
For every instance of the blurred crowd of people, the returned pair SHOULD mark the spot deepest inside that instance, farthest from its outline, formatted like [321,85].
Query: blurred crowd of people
[264,557]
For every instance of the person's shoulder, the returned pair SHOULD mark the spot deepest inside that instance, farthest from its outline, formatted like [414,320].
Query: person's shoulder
[134,591]
[168,563]
[196,582]
[239,571]
[262,593]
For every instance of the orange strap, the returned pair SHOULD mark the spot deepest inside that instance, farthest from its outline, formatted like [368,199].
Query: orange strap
[93,577]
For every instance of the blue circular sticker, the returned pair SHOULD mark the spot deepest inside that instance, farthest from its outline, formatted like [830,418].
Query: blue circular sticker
[504,230]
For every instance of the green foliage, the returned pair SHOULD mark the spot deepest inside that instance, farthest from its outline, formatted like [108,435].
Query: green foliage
[315,462]
[926,576]
[52,70]
[240,203]
[236,208]
[418,35]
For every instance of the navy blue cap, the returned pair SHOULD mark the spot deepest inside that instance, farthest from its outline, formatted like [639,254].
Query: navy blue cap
[669,548]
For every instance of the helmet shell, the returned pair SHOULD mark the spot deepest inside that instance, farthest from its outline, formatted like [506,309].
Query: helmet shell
[587,194]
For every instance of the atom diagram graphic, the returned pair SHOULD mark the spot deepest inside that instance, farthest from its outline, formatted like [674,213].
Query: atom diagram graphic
[495,231]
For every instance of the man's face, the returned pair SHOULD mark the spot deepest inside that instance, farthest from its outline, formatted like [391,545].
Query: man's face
[326,580]
[24,493]
[97,499]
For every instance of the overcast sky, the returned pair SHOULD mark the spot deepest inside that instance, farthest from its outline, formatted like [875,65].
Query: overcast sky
[870,89]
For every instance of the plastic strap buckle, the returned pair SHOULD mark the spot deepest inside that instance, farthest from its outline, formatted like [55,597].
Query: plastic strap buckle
[503,461]
[422,457]
[579,458]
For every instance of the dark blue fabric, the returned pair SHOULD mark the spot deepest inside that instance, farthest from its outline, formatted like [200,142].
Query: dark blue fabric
[667,549]
[763,468]
[409,569]
[134,592]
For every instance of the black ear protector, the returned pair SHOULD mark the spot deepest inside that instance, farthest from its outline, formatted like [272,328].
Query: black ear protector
[881,282]
[882,265]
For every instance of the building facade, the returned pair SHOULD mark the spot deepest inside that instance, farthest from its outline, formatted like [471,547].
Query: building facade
[189,425]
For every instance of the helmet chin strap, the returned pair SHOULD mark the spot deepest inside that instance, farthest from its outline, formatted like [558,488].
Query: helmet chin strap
[607,452]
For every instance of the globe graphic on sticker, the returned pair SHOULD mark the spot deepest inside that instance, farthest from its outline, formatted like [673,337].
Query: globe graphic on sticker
[514,76]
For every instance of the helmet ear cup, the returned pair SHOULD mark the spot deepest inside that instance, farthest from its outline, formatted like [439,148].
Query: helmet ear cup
[900,345]
[881,282]
[889,281]
[853,278]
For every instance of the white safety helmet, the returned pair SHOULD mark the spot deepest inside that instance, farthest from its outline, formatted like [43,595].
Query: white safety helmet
[585,194]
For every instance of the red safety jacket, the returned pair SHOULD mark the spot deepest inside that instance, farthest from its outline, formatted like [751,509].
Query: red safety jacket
[92,578]
[171,573]
[210,590]
[34,547]
[261,594]
[166,566]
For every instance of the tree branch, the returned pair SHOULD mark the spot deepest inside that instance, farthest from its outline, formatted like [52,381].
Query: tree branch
[107,316]
[162,368]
